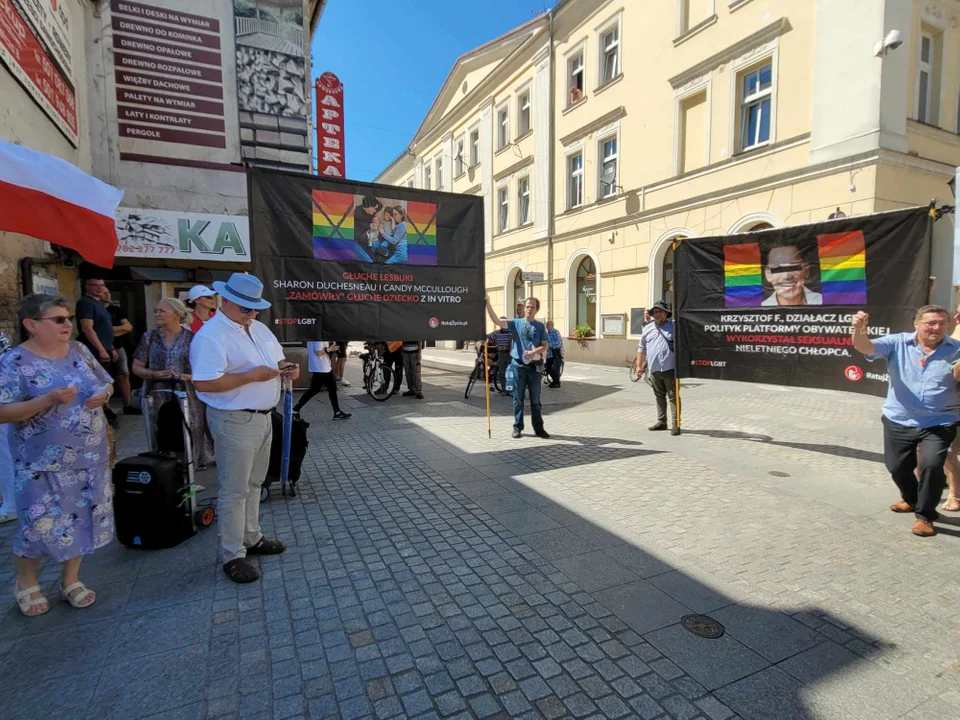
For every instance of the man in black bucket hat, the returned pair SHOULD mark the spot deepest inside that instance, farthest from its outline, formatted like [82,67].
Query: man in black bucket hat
[655,354]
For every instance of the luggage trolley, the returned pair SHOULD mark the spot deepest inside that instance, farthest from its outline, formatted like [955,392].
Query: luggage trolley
[154,492]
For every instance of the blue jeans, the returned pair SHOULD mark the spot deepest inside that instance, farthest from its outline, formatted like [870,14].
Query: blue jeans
[526,377]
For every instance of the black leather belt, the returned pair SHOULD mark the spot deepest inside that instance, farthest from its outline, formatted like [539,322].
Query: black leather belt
[259,412]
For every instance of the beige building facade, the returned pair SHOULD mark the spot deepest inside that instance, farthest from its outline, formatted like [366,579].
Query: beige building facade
[602,133]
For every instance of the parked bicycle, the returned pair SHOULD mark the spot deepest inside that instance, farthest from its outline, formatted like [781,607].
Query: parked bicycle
[493,371]
[379,380]
[546,375]
[634,375]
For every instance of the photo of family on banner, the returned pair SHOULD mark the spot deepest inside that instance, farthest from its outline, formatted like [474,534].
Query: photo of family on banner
[369,229]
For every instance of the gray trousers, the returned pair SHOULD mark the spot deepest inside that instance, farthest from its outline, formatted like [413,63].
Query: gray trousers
[411,368]
[664,387]
[242,444]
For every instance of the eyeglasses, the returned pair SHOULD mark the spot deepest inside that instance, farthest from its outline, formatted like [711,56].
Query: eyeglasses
[247,311]
[777,269]
[941,323]
[58,319]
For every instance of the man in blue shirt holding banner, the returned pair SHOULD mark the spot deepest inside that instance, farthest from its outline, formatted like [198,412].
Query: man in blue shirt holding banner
[529,350]
[921,407]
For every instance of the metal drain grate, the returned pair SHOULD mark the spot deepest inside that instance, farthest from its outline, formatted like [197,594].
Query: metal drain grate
[779,473]
[702,626]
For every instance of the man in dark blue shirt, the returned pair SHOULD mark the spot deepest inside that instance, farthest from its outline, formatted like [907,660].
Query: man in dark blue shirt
[528,352]
[96,330]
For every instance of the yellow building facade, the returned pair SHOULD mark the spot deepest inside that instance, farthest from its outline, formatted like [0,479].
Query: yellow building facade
[603,132]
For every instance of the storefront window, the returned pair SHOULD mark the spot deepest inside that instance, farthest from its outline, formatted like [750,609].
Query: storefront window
[519,293]
[587,293]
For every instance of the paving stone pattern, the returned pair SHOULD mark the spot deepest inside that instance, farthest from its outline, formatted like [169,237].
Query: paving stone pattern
[432,572]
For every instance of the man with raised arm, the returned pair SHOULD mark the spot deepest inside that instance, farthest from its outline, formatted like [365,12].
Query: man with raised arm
[920,411]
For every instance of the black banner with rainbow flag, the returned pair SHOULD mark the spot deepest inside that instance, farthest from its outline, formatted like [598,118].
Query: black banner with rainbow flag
[775,306]
[345,260]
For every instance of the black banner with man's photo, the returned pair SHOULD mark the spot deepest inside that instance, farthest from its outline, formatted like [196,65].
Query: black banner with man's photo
[776,306]
[344,260]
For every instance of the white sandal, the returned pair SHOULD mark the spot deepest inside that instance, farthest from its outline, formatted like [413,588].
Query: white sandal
[25,602]
[78,600]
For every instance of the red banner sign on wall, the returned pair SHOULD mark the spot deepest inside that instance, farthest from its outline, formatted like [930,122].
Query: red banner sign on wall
[27,59]
[330,157]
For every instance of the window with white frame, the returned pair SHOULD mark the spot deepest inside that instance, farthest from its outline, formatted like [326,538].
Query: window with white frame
[756,106]
[523,200]
[575,77]
[609,53]
[523,113]
[426,177]
[575,180]
[503,127]
[474,147]
[928,78]
[608,167]
[459,162]
[503,208]
[439,166]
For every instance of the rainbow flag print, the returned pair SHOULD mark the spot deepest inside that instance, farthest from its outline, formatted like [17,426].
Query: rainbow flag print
[421,233]
[742,281]
[843,268]
[333,226]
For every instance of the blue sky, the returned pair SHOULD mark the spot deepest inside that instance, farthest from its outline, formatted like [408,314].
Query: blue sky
[392,57]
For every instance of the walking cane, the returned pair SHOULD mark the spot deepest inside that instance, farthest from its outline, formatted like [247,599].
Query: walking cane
[486,384]
[287,435]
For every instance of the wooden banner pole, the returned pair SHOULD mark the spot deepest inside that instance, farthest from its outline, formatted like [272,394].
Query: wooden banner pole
[676,332]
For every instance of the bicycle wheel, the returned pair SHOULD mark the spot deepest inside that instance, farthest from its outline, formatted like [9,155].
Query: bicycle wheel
[379,386]
[498,382]
[560,372]
[470,383]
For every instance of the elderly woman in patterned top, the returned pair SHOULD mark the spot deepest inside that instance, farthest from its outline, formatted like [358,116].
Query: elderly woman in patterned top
[53,392]
[162,360]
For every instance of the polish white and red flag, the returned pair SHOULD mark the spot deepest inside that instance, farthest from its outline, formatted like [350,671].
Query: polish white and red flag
[51,199]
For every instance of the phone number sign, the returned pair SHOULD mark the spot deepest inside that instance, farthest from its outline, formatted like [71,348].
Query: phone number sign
[34,67]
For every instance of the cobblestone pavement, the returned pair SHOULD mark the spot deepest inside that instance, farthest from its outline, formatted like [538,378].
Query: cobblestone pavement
[433,572]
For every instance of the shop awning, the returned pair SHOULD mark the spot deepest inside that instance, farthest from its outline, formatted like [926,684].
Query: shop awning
[160,274]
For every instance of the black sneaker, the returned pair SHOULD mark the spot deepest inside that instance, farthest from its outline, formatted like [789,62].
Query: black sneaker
[409,393]
[241,571]
[658,426]
[419,396]
[342,415]
[675,431]
[543,434]
[517,433]
[267,546]
[131,410]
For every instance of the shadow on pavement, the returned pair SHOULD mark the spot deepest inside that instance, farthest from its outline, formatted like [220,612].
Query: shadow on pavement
[421,578]
[837,450]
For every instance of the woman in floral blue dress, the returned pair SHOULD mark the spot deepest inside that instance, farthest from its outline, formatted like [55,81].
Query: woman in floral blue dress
[53,392]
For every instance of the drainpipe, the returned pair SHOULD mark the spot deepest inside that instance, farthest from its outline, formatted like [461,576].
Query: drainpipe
[551,185]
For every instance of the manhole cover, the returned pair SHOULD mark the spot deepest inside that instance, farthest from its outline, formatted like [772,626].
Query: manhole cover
[702,626]
[779,473]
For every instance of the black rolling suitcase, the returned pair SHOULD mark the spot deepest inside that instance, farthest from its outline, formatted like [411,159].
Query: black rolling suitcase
[154,493]
[298,451]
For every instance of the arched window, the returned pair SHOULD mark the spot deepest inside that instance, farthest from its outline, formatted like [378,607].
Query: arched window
[758,226]
[519,293]
[587,293]
[666,289]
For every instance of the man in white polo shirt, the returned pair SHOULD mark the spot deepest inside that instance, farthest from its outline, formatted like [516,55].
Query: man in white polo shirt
[237,368]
